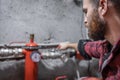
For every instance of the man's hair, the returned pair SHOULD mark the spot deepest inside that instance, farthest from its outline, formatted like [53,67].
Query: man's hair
[116,4]
[95,3]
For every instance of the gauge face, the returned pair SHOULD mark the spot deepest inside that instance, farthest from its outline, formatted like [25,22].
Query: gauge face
[35,56]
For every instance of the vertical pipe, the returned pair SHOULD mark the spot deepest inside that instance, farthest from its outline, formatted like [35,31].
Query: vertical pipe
[31,67]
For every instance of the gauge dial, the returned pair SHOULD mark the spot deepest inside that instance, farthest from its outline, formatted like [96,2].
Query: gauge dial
[35,56]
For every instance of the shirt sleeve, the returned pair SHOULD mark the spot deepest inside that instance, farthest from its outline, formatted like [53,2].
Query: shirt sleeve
[90,49]
[81,49]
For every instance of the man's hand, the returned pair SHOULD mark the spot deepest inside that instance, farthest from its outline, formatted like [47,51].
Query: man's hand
[63,45]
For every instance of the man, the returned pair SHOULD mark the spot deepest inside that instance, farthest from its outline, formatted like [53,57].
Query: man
[102,18]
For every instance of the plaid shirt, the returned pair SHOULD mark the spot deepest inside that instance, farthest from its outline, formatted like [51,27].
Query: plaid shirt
[109,56]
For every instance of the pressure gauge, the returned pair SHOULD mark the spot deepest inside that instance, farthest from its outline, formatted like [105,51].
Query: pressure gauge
[35,56]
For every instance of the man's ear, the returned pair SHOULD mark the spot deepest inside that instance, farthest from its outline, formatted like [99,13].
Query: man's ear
[103,7]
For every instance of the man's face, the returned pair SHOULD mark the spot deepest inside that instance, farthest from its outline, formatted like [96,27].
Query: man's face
[95,25]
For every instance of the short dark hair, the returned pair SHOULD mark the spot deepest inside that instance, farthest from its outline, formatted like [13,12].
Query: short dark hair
[116,4]
[95,3]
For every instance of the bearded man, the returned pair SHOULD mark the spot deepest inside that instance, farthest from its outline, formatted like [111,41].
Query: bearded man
[102,18]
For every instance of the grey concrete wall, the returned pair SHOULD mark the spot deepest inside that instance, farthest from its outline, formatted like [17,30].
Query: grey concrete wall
[49,20]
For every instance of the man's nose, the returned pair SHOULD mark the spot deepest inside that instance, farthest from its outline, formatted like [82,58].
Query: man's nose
[85,21]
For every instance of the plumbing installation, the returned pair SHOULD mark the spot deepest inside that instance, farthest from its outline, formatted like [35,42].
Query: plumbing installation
[33,53]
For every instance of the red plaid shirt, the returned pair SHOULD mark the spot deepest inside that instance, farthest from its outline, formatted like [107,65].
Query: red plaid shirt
[109,57]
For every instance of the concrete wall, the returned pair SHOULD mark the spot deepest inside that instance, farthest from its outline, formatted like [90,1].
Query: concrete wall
[49,20]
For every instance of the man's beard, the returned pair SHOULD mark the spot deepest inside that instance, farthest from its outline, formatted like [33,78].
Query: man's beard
[96,30]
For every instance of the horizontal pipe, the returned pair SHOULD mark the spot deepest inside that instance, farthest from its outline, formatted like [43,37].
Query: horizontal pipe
[21,45]
[15,53]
